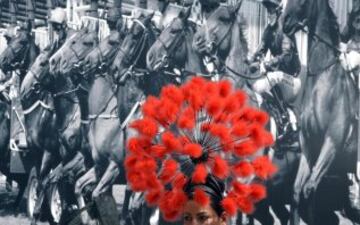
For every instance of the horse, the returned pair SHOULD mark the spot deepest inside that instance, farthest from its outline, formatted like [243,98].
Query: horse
[130,69]
[224,32]
[95,65]
[329,128]
[68,122]
[111,109]
[173,49]
[19,54]
[40,119]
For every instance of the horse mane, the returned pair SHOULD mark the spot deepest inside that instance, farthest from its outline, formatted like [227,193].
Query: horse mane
[334,28]
[242,23]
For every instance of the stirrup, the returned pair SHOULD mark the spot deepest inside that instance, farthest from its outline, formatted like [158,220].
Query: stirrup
[13,145]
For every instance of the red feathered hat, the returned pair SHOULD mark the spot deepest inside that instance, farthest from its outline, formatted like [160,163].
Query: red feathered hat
[206,125]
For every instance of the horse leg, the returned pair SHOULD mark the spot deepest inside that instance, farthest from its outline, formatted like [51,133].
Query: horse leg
[125,207]
[22,182]
[86,179]
[301,176]
[281,212]
[107,180]
[45,169]
[262,213]
[324,161]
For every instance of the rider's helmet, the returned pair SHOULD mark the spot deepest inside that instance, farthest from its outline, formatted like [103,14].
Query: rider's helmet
[114,18]
[58,15]
[58,18]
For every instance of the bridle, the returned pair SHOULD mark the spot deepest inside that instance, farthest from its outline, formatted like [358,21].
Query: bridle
[141,44]
[170,49]
[19,64]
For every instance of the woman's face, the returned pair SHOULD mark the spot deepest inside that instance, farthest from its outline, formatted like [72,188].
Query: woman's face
[195,214]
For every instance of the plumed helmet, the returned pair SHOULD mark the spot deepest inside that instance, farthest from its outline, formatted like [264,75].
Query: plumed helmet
[58,15]
[114,14]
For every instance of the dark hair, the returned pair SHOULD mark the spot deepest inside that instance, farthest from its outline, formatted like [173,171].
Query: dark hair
[213,187]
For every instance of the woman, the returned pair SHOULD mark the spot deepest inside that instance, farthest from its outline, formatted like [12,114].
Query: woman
[212,214]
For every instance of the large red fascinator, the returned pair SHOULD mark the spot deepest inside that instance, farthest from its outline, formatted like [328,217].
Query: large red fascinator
[199,128]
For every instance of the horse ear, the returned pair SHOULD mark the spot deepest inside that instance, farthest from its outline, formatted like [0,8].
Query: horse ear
[184,14]
[149,17]
[234,10]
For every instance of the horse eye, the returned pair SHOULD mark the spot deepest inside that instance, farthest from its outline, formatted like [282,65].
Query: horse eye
[44,63]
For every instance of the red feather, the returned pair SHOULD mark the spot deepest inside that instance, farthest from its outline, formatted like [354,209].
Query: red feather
[196,100]
[241,97]
[153,197]
[179,199]
[133,146]
[198,82]
[214,105]
[258,192]
[130,162]
[158,151]
[240,129]
[150,107]
[152,181]
[179,181]
[172,92]
[169,170]
[241,189]
[171,215]
[201,197]
[220,131]
[187,119]
[170,141]
[137,181]
[193,150]
[225,88]
[167,111]
[231,104]
[227,144]
[259,135]
[212,89]
[220,168]
[199,175]
[263,167]
[245,205]
[229,205]
[243,169]
[245,148]
[262,118]
[145,126]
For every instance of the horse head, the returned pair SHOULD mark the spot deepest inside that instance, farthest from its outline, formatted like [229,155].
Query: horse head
[36,80]
[296,15]
[323,30]
[73,51]
[170,44]
[132,52]
[224,38]
[20,52]
[103,55]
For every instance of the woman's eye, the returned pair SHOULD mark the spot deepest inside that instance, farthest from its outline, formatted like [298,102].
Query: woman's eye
[187,218]
[203,218]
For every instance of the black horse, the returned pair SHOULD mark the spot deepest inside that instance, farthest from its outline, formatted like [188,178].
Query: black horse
[20,53]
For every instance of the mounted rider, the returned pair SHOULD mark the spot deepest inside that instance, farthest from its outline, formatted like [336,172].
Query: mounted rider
[281,81]
[58,22]
[284,65]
